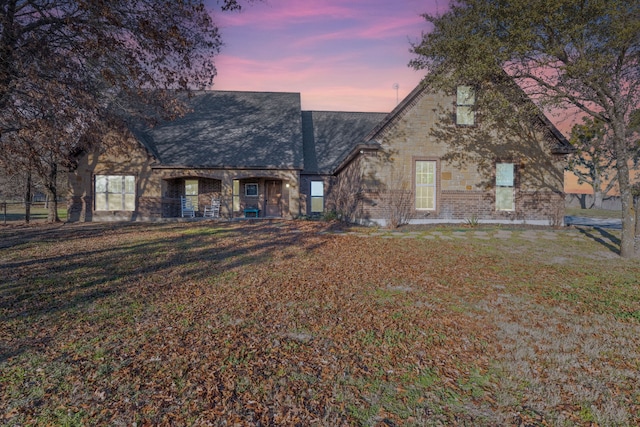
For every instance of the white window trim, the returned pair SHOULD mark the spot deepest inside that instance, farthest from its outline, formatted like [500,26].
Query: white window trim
[434,185]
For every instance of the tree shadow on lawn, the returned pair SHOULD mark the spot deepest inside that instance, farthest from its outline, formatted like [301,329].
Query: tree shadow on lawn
[35,290]
[603,237]
[26,233]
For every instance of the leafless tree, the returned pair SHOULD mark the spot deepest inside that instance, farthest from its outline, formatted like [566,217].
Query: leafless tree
[70,69]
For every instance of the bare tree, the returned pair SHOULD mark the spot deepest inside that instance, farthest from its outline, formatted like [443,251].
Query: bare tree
[397,199]
[345,193]
[593,162]
[69,69]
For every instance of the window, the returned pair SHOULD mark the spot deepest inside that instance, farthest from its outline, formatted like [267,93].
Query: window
[236,195]
[425,185]
[251,190]
[191,192]
[115,193]
[317,196]
[465,101]
[505,179]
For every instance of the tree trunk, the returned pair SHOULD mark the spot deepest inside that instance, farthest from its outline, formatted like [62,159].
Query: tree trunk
[52,189]
[597,199]
[27,198]
[628,238]
[636,200]
[597,191]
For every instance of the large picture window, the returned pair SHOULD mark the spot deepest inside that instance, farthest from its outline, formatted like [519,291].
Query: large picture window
[425,185]
[317,196]
[465,102]
[505,186]
[115,193]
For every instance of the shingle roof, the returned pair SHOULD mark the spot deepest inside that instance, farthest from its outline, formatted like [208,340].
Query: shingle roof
[231,129]
[330,136]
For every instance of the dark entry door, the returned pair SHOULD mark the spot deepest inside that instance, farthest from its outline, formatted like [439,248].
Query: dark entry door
[274,198]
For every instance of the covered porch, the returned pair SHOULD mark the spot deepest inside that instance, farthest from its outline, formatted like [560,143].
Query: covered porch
[242,197]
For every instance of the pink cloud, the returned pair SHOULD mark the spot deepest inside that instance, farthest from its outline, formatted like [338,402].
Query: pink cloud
[322,87]
[339,55]
[398,27]
[269,15]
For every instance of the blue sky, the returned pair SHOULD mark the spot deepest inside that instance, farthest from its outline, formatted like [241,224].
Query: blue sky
[340,55]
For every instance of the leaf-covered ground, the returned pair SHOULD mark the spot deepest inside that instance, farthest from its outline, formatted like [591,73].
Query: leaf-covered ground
[289,323]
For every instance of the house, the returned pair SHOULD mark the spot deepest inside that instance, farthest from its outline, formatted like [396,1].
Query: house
[433,160]
[259,151]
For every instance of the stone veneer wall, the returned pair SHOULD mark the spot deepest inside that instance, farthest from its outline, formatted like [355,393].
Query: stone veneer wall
[156,194]
[463,192]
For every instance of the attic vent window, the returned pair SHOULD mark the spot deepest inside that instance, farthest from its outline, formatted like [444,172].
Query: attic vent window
[465,103]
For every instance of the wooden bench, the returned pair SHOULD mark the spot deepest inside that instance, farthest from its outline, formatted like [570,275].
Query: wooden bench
[254,211]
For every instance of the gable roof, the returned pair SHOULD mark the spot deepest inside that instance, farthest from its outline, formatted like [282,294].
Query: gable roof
[560,143]
[329,136]
[225,129]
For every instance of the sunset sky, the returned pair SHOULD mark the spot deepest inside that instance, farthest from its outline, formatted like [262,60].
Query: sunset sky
[340,55]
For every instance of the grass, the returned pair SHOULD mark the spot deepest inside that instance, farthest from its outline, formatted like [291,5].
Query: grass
[593,213]
[15,213]
[280,323]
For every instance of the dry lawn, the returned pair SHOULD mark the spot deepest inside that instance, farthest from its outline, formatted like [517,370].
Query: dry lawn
[285,323]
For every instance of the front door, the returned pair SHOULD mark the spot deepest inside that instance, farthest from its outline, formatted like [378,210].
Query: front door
[273,206]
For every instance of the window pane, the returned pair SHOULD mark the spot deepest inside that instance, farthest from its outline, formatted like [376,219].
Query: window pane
[425,172]
[425,198]
[466,95]
[101,184]
[317,188]
[129,202]
[101,201]
[317,204]
[114,202]
[193,200]
[129,184]
[504,199]
[115,184]
[504,174]
[465,115]
[191,187]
